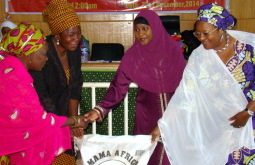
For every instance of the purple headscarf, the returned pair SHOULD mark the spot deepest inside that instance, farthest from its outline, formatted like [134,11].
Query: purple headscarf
[216,15]
[157,66]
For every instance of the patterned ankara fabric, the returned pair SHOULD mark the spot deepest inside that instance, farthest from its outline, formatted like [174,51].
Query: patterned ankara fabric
[242,66]
[216,15]
[26,129]
[23,40]
[60,16]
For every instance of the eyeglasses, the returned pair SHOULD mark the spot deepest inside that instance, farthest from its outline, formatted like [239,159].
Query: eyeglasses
[205,34]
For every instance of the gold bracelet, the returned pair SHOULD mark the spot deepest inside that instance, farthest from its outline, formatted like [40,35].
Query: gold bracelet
[74,120]
[77,121]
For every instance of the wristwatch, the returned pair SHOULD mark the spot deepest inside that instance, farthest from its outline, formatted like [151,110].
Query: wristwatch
[250,112]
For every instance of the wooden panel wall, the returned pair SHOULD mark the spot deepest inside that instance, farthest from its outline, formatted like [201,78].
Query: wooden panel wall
[118,27]
[244,11]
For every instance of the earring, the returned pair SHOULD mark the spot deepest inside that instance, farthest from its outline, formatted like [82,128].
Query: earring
[222,37]
[57,42]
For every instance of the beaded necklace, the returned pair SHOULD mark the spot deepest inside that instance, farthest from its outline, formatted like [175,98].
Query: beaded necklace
[225,47]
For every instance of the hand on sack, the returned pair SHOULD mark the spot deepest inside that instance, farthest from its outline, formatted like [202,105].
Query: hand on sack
[155,133]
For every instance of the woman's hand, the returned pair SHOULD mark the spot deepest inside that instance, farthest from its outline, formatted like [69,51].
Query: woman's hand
[240,119]
[78,131]
[76,122]
[78,126]
[155,133]
[92,116]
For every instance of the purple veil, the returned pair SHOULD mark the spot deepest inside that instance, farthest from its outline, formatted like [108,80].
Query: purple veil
[157,66]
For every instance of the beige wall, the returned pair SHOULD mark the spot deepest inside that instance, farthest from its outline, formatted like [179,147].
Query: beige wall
[118,27]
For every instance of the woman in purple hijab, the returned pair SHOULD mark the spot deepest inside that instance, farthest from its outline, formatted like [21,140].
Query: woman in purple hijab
[155,63]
